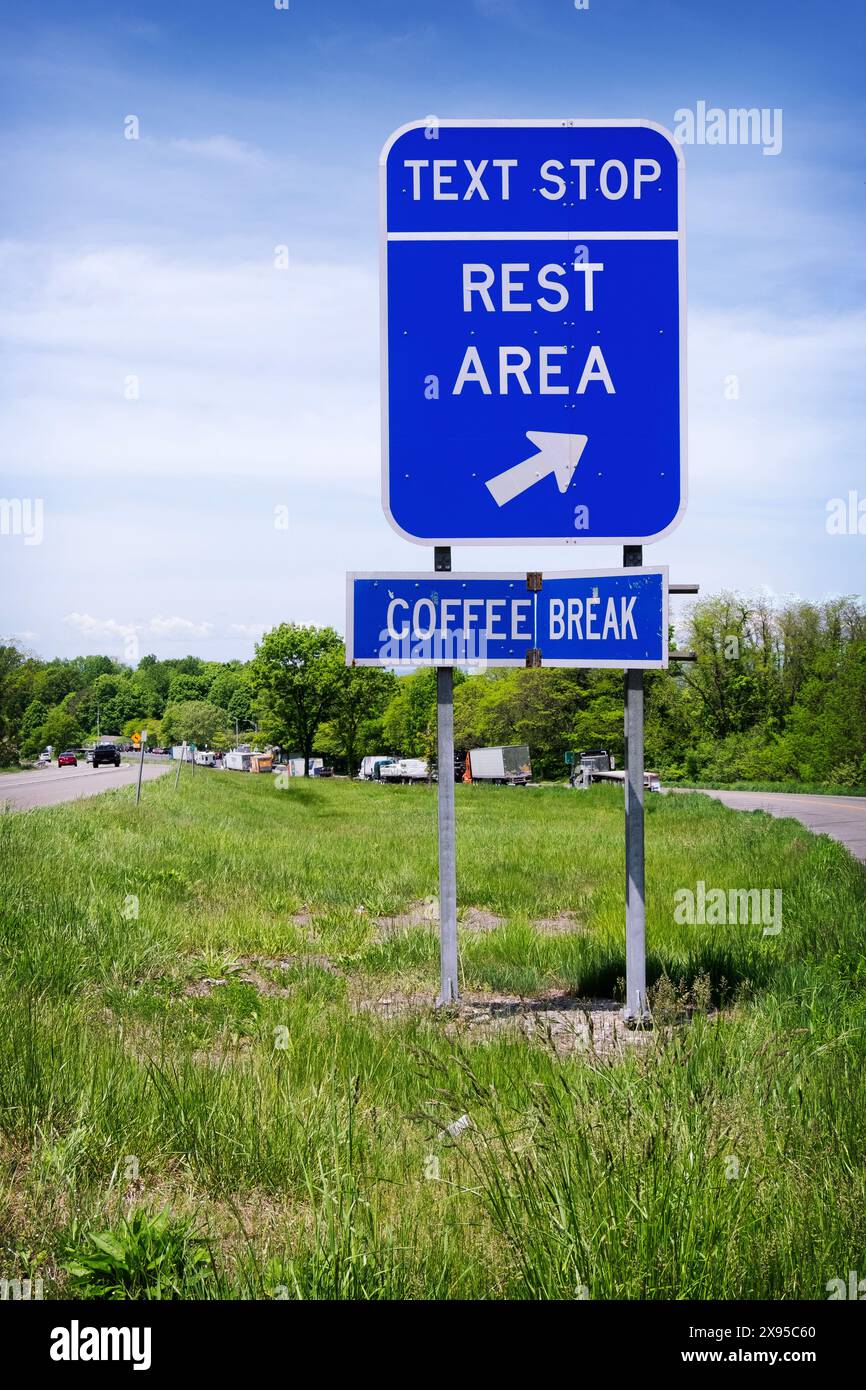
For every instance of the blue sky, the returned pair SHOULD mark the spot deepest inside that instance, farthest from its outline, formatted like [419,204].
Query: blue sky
[153,260]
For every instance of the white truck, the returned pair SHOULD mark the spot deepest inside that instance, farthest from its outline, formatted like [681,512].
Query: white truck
[509,765]
[367,772]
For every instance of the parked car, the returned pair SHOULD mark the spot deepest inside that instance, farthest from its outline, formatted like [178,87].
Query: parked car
[106,753]
[89,755]
[44,758]
[67,759]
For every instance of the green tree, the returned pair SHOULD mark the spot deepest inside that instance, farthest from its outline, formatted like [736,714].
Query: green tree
[409,720]
[360,700]
[195,721]
[297,673]
[185,687]
[18,674]
[30,736]
[60,731]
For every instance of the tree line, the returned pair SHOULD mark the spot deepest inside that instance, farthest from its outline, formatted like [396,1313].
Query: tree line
[777,693]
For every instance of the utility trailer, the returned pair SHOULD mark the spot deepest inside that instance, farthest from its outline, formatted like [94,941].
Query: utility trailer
[597,765]
[294,767]
[509,765]
[404,770]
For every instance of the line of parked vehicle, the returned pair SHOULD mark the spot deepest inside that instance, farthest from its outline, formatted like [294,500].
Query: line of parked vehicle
[508,765]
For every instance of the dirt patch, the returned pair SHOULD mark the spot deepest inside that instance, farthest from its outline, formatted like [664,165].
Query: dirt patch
[594,1027]
[475,919]
[423,913]
[564,924]
[245,970]
[290,962]
[426,913]
[201,989]
[479,919]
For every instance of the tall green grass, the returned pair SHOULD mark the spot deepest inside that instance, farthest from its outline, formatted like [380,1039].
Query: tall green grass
[303,1139]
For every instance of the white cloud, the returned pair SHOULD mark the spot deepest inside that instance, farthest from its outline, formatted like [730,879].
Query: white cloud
[89,626]
[238,368]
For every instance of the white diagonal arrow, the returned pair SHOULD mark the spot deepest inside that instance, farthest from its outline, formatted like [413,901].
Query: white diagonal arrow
[558,454]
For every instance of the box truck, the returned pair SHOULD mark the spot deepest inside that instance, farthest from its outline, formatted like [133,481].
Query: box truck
[509,765]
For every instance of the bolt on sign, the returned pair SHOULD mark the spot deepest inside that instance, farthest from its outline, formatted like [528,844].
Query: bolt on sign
[533,332]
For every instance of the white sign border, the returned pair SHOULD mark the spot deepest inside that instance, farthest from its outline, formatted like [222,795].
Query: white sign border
[427,577]
[383,331]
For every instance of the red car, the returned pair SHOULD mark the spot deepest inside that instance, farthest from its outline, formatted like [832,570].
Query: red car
[67,760]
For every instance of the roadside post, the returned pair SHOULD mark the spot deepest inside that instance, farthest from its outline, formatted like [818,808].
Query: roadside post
[533,393]
[180,764]
[449,990]
[636,1011]
[140,766]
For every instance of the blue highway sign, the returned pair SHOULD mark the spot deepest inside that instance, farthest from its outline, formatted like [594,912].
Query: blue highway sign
[594,618]
[533,332]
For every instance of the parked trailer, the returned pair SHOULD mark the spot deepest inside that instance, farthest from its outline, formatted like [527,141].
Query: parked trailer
[238,760]
[182,750]
[294,767]
[508,765]
[405,770]
[597,765]
[204,757]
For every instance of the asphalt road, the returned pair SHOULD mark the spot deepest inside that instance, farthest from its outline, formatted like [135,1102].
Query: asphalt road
[842,817]
[48,786]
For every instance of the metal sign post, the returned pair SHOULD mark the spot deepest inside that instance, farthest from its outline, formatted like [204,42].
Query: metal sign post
[635,1012]
[180,764]
[140,767]
[448,985]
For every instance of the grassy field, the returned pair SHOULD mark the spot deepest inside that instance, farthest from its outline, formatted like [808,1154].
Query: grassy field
[222,1076]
